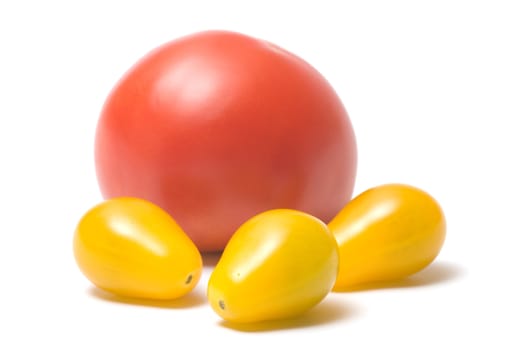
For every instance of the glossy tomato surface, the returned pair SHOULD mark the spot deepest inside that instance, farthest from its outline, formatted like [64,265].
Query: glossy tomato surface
[387,233]
[132,248]
[216,127]
[277,265]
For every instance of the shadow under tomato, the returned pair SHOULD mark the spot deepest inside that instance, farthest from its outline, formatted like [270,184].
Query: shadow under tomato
[436,273]
[193,299]
[328,311]
[211,259]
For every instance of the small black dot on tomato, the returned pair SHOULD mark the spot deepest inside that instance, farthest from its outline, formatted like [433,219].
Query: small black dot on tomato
[189,279]
[221,304]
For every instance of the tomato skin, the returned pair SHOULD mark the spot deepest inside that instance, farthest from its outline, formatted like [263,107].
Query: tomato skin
[217,126]
[277,265]
[387,233]
[132,248]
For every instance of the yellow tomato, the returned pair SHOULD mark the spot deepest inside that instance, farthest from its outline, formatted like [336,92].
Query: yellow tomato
[277,265]
[387,233]
[132,248]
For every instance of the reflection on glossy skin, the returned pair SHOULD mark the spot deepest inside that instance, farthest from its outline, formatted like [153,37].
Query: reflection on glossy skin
[277,265]
[387,233]
[132,248]
[249,261]
[191,82]
[374,214]
[132,231]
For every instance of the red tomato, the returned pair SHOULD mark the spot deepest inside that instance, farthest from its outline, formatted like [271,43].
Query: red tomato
[217,126]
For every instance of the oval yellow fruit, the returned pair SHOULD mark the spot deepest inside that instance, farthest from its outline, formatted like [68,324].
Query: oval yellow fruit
[131,247]
[277,265]
[387,233]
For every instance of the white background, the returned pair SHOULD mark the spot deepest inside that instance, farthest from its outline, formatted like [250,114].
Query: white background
[437,93]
